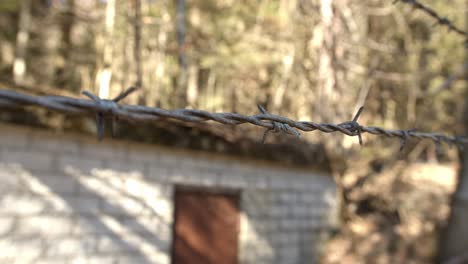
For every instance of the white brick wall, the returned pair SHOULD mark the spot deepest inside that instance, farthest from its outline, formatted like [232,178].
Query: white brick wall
[72,199]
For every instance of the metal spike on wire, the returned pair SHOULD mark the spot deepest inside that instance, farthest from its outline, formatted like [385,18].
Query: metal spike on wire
[277,127]
[110,106]
[353,125]
[275,123]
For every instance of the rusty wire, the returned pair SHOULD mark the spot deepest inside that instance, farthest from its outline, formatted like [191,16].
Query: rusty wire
[440,20]
[110,108]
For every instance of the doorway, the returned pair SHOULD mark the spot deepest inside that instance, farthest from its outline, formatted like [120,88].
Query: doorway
[206,227]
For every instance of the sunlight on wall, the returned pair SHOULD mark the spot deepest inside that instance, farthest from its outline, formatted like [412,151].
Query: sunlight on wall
[257,246]
[99,213]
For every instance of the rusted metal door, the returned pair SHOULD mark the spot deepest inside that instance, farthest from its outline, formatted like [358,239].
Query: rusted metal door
[206,227]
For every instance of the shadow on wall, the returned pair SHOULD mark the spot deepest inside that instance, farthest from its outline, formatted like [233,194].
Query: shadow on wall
[99,215]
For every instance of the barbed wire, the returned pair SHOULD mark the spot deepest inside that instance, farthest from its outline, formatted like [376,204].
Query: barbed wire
[440,20]
[103,108]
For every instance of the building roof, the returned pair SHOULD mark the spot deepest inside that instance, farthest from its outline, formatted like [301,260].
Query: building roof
[238,141]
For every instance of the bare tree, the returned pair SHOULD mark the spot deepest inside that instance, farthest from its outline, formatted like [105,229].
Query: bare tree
[286,10]
[193,68]
[182,56]
[104,75]
[22,39]
[327,83]
[160,58]
[137,42]
[67,22]
[453,242]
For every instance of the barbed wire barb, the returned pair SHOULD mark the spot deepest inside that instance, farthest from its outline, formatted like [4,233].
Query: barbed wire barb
[277,127]
[354,126]
[110,108]
[404,138]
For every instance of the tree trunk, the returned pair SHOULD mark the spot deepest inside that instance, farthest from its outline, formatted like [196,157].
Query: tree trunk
[67,69]
[192,85]
[453,242]
[160,60]
[327,93]
[286,13]
[191,95]
[105,74]
[45,67]
[22,39]
[182,57]
[331,103]
[210,96]
[137,42]
[288,61]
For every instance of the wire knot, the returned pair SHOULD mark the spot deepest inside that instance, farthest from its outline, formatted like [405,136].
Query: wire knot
[444,21]
[460,142]
[107,107]
[405,134]
[278,127]
[353,126]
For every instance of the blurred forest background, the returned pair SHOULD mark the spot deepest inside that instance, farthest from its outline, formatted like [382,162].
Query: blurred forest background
[316,60]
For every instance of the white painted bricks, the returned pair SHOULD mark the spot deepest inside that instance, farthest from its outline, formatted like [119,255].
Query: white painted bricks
[112,202]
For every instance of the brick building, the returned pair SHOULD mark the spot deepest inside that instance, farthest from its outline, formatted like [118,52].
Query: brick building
[68,198]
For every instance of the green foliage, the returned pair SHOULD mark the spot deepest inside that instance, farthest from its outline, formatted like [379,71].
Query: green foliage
[9,5]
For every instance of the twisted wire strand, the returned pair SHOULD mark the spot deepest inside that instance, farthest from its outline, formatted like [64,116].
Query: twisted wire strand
[440,20]
[111,108]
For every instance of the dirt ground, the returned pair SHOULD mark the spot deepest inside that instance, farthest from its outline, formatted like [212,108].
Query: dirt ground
[394,216]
